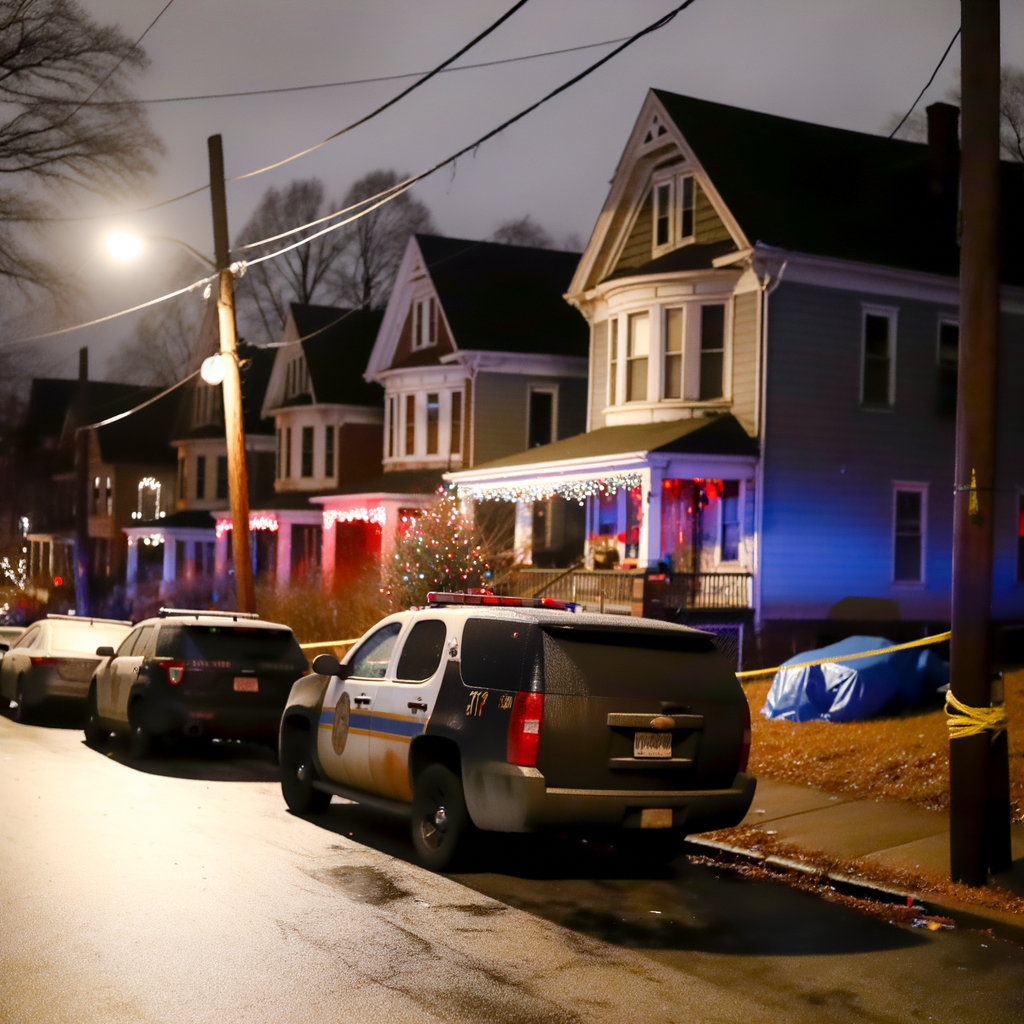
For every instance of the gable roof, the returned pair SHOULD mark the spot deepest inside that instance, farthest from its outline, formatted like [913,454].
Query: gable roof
[832,192]
[337,344]
[505,298]
[144,436]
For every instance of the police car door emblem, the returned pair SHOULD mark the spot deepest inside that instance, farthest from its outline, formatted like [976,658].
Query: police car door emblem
[339,734]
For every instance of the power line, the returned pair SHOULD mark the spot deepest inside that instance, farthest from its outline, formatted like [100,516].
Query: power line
[942,60]
[356,81]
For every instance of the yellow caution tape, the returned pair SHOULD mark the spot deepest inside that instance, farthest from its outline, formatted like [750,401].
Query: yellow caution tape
[923,642]
[329,643]
[963,720]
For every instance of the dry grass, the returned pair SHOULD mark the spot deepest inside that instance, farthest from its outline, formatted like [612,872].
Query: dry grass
[904,757]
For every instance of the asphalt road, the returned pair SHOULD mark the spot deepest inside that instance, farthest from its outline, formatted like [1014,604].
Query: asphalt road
[181,890]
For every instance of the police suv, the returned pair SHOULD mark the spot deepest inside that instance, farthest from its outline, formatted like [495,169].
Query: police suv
[516,715]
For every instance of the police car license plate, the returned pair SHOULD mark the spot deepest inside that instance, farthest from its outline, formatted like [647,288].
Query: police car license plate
[247,684]
[652,744]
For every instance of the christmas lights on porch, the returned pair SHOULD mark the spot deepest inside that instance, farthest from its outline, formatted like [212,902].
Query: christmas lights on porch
[257,521]
[376,515]
[571,490]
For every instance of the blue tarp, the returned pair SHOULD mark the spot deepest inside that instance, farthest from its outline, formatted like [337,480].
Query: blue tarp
[846,691]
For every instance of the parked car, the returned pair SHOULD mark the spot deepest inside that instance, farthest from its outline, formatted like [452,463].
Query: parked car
[517,715]
[8,634]
[55,658]
[188,673]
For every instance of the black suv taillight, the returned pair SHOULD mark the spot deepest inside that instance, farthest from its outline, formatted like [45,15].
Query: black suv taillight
[175,670]
[524,729]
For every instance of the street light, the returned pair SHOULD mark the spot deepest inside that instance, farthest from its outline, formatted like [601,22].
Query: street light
[213,369]
[124,246]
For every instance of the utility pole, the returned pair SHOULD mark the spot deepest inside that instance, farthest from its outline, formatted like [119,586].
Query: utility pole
[234,426]
[81,414]
[979,821]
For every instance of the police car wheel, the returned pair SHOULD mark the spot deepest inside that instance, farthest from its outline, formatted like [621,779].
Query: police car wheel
[140,740]
[297,775]
[441,826]
[96,734]
[22,712]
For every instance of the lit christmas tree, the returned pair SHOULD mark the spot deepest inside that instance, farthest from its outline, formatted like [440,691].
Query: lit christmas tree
[438,550]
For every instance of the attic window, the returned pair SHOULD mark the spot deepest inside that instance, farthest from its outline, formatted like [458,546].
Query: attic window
[673,200]
[296,378]
[424,323]
[206,405]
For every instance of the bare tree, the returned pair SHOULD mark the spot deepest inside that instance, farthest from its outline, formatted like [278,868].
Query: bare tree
[1011,113]
[374,244]
[267,289]
[523,231]
[54,57]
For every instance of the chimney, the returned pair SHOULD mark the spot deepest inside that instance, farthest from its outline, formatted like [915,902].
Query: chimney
[83,364]
[943,149]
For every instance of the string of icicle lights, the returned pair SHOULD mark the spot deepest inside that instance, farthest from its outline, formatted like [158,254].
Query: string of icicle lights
[571,490]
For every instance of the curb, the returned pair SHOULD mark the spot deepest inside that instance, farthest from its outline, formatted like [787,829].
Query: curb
[1002,924]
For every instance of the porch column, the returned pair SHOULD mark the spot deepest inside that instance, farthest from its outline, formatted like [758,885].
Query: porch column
[523,543]
[220,556]
[132,572]
[169,559]
[328,548]
[650,526]
[284,552]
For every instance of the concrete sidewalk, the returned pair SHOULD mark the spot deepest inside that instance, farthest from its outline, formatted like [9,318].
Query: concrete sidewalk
[867,834]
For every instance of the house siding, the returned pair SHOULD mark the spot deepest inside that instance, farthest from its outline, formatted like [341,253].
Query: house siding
[598,374]
[744,360]
[638,247]
[830,466]
[707,225]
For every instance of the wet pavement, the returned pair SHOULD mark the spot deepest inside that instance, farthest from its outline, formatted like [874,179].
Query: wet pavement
[181,889]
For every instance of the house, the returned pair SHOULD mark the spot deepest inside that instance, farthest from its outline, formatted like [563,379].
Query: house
[479,357]
[773,346]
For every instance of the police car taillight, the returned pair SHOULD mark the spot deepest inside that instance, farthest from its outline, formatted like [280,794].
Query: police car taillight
[498,601]
[175,670]
[524,729]
[745,749]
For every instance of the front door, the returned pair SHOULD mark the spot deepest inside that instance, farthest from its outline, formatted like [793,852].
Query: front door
[403,705]
[344,733]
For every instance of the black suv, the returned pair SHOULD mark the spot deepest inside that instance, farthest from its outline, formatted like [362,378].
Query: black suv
[194,673]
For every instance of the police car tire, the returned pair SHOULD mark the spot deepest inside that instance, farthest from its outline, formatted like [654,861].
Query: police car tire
[140,740]
[22,713]
[439,789]
[96,734]
[296,784]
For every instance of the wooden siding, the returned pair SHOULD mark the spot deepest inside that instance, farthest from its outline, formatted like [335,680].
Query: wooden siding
[707,225]
[598,375]
[830,465]
[744,360]
[638,247]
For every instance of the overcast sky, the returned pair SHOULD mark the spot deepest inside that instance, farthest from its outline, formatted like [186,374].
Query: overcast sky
[849,63]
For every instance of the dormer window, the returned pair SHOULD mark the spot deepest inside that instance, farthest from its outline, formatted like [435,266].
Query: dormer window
[424,323]
[673,202]
[296,377]
[206,405]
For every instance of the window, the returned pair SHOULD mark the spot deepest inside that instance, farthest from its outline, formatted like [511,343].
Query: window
[433,416]
[296,377]
[391,428]
[909,533]
[1020,538]
[307,451]
[949,358]
[541,417]
[200,477]
[662,214]
[494,653]
[288,451]
[278,453]
[222,476]
[181,477]
[422,652]
[329,451]
[96,497]
[712,351]
[613,362]
[730,549]
[673,353]
[109,495]
[372,659]
[639,343]
[456,439]
[686,208]
[410,424]
[877,376]
[424,327]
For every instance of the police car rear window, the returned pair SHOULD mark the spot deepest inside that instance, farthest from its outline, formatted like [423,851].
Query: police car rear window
[494,653]
[265,650]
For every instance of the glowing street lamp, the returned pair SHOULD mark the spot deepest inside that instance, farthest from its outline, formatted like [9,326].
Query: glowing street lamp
[213,369]
[125,247]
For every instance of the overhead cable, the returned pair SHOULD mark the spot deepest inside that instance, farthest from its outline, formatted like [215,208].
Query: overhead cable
[942,60]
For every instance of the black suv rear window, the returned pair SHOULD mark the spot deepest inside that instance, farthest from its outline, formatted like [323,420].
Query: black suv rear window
[495,653]
[265,650]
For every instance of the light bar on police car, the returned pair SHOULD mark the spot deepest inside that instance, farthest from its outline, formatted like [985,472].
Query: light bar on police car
[496,601]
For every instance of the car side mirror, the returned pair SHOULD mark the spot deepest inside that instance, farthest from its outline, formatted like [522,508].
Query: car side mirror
[328,665]
[105,652]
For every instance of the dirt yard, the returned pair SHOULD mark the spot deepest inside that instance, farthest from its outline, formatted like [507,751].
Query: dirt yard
[904,757]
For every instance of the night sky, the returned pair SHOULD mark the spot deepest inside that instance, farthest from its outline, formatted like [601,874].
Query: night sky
[849,63]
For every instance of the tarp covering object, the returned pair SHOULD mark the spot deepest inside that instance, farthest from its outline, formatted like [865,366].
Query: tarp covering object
[846,691]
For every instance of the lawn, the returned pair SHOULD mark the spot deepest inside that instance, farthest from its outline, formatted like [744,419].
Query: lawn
[901,757]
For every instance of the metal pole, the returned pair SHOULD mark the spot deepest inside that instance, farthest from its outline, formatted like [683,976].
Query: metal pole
[974,497]
[82,487]
[234,426]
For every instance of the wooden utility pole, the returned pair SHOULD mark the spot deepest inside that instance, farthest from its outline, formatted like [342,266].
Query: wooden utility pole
[82,489]
[979,828]
[234,426]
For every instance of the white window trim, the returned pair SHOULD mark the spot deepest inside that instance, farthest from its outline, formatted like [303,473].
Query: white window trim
[892,314]
[656,184]
[922,489]
[545,389]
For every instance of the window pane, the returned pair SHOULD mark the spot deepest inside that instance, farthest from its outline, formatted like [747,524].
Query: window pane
[876,381]
[329,451]
[541,414]
[410,424]
[307,451]
[421,654]
[687,208]
[288,451]
[639,335]
[372,658]
[456,441]
[673,330]
[613,363]
[907,561]
[730,520]
[661,230]
[949,348]
[433,409]
[391,428]
[673,376]
[222,476]
[673,353]
[710,375]
[712,328]
[876,335]
[636,381]
[201,477]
